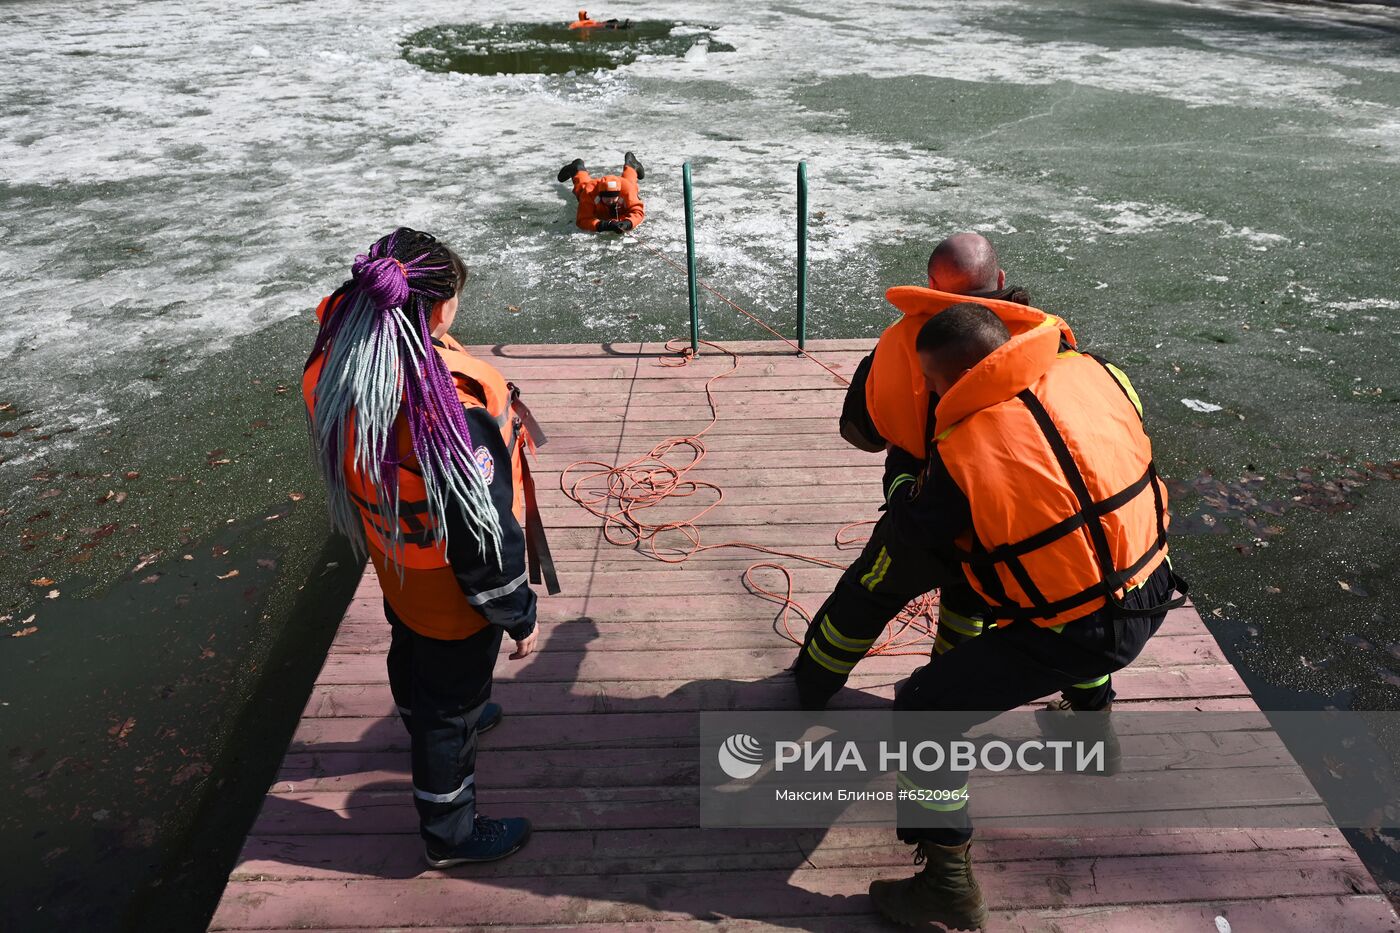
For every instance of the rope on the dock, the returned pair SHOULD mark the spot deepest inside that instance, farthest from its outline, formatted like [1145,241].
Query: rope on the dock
[620,493]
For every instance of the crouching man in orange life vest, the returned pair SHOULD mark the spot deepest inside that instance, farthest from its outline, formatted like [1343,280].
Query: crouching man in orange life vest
[423,455]
[889,408]
[610,204]
[1040,489]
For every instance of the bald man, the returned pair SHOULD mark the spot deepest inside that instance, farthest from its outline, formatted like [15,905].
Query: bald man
[964,264]
[889,409]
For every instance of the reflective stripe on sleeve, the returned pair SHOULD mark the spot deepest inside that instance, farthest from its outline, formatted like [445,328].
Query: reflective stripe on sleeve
[481,599]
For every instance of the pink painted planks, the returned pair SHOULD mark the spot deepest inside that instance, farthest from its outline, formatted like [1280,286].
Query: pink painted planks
[599,746]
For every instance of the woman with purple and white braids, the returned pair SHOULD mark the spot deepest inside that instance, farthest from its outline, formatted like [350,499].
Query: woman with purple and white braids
[423,459]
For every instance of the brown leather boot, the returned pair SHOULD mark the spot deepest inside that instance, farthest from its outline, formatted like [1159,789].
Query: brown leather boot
[944,892]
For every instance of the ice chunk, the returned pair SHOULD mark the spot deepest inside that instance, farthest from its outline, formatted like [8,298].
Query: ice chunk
[1196,404]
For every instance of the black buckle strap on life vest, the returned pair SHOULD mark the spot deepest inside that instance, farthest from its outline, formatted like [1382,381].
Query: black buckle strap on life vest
[539,559]
[1061,528]
[1090,516]
[527,417]
[418,534]
[930,426]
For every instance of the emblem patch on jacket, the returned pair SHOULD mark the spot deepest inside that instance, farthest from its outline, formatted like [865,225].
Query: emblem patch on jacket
[486,463]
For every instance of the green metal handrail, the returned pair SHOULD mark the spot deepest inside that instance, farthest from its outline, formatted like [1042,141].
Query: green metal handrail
[693,276]
[690,262]
[802,255]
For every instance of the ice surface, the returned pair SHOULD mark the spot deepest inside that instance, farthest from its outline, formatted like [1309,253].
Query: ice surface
[179,174]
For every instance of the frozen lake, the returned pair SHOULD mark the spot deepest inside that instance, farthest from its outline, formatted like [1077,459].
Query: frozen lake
[1205,191]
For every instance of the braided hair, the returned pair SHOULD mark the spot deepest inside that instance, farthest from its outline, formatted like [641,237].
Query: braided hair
[380,367]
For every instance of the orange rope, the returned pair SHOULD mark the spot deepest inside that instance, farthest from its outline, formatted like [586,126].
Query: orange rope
[619,494]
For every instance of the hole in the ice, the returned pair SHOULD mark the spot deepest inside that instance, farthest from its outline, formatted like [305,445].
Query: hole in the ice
[523,48]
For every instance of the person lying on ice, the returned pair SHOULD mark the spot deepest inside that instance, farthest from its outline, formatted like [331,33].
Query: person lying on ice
[586,22]
[1040,489]
[610,204]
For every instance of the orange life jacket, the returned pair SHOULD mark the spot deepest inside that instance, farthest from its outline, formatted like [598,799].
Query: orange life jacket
[1067,508]
[586,24]
[427,596]
[895,394]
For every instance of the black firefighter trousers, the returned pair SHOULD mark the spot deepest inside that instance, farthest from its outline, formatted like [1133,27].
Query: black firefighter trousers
[1004,669]
[888,575]
[440,688]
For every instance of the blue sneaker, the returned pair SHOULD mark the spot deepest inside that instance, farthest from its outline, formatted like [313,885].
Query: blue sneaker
[490,717]
[490,840]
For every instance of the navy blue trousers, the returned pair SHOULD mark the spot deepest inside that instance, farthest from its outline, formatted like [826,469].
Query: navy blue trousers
[441,688]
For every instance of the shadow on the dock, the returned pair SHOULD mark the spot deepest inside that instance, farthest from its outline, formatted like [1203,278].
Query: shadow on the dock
[616,816]
[513,351]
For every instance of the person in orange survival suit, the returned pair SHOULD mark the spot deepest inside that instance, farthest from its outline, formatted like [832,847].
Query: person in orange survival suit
[610,204]
[1040,488]
[424,462]
[585,21]
[889,408]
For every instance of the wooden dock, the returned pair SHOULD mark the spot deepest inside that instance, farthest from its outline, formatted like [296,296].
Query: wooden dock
[598,747]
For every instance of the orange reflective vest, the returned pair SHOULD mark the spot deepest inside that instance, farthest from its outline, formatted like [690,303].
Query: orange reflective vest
[1067,509]
[427,596]
[895,394]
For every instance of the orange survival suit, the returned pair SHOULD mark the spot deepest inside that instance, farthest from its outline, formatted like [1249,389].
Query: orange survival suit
[593,208]
[434,595]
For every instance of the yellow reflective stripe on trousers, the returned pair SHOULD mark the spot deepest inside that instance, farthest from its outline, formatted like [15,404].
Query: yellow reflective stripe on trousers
[941,645]
[941,807]
[961,624]
[876,571]
[854,645]
[1091,684]
[828,662]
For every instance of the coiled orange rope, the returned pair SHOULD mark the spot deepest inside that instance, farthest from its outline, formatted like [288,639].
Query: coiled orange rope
[620,494]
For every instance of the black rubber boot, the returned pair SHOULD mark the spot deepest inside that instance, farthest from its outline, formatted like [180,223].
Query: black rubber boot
[629,158]
[570,170]
[1061,721]
[944,892]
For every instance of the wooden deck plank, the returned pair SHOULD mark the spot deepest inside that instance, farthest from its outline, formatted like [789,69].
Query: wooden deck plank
[439,900]
[600,744]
